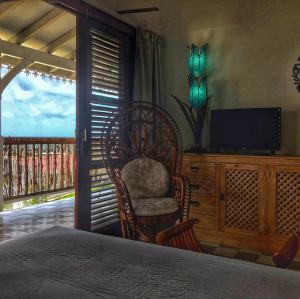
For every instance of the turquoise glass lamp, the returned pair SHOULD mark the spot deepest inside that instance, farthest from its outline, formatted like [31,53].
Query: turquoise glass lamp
[197,60]
[198,93]
[194,60]
[196,110]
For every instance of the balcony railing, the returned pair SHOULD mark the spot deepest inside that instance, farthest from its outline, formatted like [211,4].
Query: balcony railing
[36,166]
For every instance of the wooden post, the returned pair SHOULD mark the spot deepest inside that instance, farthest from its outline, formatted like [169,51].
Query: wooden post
[18,168]
[33,169]
[22,64]
[26,169]
[54,166]
[10,177]
[48,167]
[1,174]
[61,166]
[42,186]
[1,150]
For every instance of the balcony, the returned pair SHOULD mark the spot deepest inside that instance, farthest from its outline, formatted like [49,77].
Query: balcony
[37,166]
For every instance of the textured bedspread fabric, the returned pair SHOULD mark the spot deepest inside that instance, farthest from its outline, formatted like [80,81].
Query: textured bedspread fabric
[66,263]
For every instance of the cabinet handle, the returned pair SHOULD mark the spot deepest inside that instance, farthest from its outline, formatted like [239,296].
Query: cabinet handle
[195,186]
[195,203]
[222,197]
[194,168]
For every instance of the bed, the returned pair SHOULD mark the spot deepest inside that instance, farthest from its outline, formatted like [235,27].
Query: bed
[67,263]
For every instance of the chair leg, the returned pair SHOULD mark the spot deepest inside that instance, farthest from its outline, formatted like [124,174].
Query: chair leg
[123,227]
[130,231]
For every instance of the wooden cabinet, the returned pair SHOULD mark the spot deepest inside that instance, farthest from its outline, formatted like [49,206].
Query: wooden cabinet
[242,193]
[204,183]
[252,202]
[202,177]
[285,208]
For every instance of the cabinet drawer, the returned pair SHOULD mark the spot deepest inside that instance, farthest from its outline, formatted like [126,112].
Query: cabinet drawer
[203,186]
[204,221]
[196,169]
[204,205]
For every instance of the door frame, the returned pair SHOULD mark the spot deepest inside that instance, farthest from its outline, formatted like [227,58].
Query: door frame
[84,14]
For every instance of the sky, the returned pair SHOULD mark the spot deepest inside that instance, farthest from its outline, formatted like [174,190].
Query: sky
[38,107]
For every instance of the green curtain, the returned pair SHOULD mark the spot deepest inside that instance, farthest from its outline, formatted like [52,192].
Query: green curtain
[149,67]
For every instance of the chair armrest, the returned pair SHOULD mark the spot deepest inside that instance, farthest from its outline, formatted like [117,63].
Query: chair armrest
[181,191]
[284,256]
[173,231]
[180,236]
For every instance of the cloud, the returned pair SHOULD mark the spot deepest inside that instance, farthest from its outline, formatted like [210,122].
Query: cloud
[25,84]
[7,114]
[36,107]
[54,115]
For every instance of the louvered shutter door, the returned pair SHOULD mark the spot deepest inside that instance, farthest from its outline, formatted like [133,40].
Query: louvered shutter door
[107,94]
[109,64]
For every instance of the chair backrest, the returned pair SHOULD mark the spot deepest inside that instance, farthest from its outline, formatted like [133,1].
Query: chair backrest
[284,256]
[141,130]
[180,236]
[146,178]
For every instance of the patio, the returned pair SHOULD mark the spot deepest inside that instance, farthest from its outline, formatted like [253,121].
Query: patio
[20,222]
[42,43]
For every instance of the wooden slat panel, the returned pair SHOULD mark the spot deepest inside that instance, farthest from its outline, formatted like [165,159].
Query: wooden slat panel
[102,62]
[105,50]
[107,79]
[108,75]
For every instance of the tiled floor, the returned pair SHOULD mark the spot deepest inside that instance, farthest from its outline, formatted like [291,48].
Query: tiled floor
[245,255]
[25,221]
[28,220]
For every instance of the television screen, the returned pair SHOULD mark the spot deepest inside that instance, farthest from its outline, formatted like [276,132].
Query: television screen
[253,129]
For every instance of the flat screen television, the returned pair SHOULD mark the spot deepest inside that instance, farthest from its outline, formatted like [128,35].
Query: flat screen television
[255,129]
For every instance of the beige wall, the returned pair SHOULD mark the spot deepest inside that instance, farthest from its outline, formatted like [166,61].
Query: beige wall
[252,48]
[253,45]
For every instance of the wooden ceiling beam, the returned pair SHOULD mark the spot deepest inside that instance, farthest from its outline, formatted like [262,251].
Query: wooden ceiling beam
[23,63]
[71,56]
[6,9]
[15,50]
[60,41]
[38,25]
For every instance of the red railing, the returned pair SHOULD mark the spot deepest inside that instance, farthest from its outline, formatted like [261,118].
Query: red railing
[35,166]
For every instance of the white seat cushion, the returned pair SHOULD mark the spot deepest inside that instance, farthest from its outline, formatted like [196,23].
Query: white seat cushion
[154,206]
[145,178]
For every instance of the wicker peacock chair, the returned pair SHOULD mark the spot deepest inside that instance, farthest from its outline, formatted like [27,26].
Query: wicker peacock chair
[144,135]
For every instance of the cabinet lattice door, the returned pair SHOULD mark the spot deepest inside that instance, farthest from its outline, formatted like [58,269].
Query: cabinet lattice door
[287,217]
[242,190]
